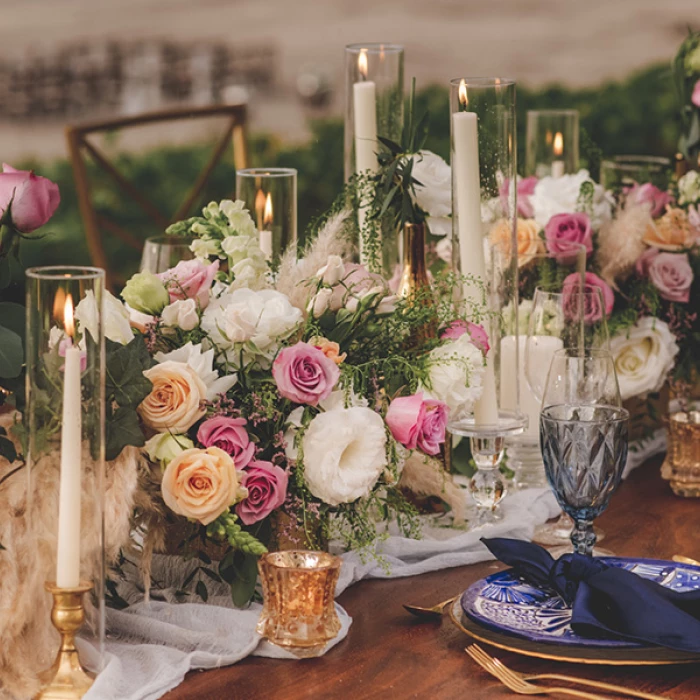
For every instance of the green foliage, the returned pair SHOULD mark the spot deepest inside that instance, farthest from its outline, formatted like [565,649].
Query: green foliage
[686,73]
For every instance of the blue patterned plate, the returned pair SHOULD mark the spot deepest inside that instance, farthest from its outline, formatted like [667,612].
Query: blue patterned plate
[505,603]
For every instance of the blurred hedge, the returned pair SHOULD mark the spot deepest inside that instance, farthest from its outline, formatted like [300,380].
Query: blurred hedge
[637,115]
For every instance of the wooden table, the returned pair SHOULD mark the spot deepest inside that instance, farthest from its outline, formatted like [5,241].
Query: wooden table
[389,654]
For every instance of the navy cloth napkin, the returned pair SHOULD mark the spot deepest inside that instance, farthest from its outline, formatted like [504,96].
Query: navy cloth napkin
[606,600]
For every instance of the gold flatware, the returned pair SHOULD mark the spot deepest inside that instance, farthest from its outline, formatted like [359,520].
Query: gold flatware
[685,560]
[436,611]
[519,682]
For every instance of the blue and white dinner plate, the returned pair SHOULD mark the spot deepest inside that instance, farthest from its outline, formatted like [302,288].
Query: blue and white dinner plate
[505,603]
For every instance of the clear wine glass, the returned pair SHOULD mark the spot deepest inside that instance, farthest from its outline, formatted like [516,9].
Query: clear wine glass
[583,434]
[164,252]
[572,318]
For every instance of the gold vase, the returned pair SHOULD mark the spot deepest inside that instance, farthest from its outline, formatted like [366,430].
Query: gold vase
[414,272]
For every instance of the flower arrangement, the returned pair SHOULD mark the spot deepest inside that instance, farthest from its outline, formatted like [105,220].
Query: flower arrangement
[279,401]
[686,73]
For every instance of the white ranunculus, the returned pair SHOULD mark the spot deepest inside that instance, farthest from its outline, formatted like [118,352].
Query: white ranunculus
[644,355]
[344,454]
[439,225]
[251,322]
[116,317]
[559,195]
[202,362]
[333,271]
[689,188]
[164,447]
[434,194]
[456,371]
[181,314]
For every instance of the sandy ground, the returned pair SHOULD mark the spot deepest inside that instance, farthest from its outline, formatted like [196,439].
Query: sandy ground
[577,42]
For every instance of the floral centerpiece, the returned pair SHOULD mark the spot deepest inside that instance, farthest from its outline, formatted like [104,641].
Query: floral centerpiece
[686,73]
[279,406]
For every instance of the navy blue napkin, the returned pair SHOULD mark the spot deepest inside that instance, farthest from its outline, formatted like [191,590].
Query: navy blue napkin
[606,600]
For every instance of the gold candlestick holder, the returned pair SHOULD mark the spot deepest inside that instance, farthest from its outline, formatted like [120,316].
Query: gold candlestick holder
[66,679]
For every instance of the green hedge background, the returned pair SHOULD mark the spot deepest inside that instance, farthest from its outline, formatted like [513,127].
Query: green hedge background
[634,116]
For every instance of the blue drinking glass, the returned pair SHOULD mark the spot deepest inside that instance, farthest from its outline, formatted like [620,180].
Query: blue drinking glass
[584,448]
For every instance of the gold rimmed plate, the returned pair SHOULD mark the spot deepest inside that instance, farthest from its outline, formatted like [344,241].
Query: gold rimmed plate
[630,656]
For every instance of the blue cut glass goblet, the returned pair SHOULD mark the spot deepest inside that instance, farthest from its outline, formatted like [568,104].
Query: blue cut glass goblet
[584,448]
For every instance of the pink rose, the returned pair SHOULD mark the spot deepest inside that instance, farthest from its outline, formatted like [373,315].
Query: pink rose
[229,435]
[267,491]
[32,199]
[405,417]
[526,187]
[478,336]
[432,432]
[564,232]
[695,97]
[190,279]
[304,374]
[592,311]
[650,194]
[670,273]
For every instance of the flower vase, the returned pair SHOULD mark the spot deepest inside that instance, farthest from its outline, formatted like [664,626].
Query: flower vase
[298,530]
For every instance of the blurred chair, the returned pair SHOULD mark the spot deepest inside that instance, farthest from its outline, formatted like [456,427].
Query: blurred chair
[79,147]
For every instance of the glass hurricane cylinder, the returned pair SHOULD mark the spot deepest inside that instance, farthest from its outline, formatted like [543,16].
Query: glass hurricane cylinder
[161,253]
[63,427]
[552,142]
[622,172]
[373,107]
[270,195]
[484,252]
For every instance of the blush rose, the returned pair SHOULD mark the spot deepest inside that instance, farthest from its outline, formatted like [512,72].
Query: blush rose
[304,374]
[190,279]
[564,232]
[229,435]
[267,490]
[592,308]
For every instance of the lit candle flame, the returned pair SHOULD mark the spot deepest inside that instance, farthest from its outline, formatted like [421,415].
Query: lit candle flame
[267,216]
[68,317]
[558,144]
[362,63]
[462,92]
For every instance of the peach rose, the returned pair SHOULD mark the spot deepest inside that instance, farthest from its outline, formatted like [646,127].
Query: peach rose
[329,348]
[529,241]
[201,484]
[671,232]
[175,402]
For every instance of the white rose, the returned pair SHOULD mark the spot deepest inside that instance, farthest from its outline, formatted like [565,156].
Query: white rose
[115,317]
[202,362]
[333,271]
[444,250]
[456,370]
[164,447]
[644,355]
[344,454]
[689,188]
[434,194]
[321,302]
[204,248]
[559,195]
[254,322]
[181,314]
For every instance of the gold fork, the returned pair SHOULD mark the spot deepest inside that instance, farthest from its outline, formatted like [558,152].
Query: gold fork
[518,683]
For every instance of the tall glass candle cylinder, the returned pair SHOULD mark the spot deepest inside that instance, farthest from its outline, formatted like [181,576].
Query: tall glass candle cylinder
[373,108]
[484,251]
[552,142]
[270,194]
[64,420]
[621,173]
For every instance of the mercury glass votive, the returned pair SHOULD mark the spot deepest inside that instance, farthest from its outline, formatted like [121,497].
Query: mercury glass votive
[298,600]
[682,465]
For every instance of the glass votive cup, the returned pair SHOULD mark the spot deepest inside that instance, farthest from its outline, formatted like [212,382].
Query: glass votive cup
[161,253]
[552,142]
[619,173]
[299,600]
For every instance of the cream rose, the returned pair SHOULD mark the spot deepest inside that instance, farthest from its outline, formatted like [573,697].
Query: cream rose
[671,232]
[528,239]
[175,402]
[201,484]
[643,355]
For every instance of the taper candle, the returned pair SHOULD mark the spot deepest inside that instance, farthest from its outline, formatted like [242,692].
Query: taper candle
[68,546]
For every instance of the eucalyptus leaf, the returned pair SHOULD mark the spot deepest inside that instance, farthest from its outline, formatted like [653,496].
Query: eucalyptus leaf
[11,353]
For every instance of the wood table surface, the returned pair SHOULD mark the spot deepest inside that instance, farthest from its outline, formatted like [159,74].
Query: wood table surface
[390,654]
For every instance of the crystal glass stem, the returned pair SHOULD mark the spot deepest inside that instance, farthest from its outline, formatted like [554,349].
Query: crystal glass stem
[487,486]
[583,537]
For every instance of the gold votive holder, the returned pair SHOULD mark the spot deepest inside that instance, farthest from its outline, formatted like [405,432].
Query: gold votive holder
[66,679]
[682,464]
[299,600]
